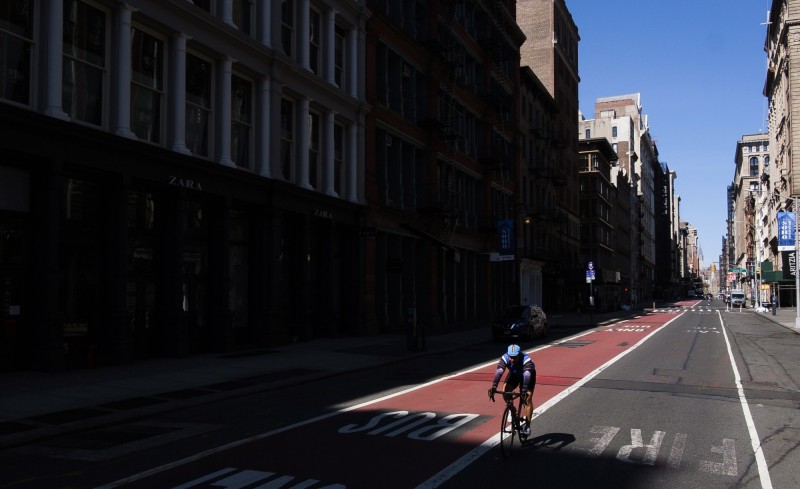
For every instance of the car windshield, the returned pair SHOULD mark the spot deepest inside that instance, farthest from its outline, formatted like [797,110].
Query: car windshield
[518,312]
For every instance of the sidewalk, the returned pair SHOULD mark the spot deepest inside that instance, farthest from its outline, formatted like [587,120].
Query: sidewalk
[35,405]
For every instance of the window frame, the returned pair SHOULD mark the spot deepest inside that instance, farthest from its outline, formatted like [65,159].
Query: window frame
[104,84]
[249,123]
[30,43]
[209,111]
[137,85]
[288,138]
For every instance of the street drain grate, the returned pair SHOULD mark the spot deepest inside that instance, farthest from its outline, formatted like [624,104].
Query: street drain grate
[574,343]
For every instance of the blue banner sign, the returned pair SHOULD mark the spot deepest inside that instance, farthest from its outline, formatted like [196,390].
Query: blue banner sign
[786,231]
[505,233]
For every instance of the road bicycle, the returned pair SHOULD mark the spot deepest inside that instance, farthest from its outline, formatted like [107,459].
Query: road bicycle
[511,423]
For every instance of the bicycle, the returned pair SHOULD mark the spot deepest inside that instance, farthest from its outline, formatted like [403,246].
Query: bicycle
[511,423]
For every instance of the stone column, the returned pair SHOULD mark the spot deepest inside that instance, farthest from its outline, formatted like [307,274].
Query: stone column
[224,116]
[179,95]
[124,70]
[55,60]
[302,144]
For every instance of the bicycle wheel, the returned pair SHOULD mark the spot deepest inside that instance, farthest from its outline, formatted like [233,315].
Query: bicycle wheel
[507,430]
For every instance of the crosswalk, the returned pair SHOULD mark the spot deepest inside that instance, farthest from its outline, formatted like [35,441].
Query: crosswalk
[678,310]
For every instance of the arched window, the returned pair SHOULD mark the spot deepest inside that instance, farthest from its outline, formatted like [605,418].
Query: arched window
[753,166]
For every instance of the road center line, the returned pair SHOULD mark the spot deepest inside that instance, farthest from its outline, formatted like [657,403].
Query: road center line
[484,447]
[755,441]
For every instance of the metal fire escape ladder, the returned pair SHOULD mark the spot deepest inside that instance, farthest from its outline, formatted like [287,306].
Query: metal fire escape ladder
[454,54]
[501,169]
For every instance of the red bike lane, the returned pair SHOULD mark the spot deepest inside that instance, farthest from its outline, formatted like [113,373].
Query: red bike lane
[412,438]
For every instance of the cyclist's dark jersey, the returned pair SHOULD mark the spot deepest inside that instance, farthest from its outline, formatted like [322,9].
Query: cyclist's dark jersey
[519,374]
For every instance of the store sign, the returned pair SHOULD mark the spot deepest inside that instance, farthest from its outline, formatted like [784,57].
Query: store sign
[786,231]
[323,213]
[184,183]
[789,264]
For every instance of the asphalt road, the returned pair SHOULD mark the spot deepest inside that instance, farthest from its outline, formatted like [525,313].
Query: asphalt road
[645,403]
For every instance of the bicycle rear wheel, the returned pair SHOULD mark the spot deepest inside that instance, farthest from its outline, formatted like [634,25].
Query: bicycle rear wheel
[507,430]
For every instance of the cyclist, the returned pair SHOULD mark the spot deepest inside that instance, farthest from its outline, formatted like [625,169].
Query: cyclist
[522,373]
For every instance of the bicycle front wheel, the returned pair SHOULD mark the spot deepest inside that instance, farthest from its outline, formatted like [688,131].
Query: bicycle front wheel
[507,430]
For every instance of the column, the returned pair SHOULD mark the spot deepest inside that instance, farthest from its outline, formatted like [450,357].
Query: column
[274,129]
[263,130]
[55,59]
[351,154]
[303,26]
[268,15]
[352,63]
[227,13]
[330,44]
[327,151]
[124,71]
[225,112]
[179,95]
[302,143]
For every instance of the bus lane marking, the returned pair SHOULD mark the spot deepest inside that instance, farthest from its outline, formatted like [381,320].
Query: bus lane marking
[451,470]
[431,433]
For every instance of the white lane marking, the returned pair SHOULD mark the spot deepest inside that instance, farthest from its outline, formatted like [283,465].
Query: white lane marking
[234,444]
[676,454]
[457,466]
[761,462]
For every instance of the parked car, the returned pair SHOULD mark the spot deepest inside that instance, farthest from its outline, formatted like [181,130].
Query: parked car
[524,322]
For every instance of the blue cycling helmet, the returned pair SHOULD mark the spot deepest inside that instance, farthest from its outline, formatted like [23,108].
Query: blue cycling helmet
[513,350]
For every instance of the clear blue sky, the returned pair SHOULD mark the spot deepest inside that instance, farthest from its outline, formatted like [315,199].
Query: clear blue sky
[699,66]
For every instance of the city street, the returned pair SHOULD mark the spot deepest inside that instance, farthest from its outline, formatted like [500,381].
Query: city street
[647,402]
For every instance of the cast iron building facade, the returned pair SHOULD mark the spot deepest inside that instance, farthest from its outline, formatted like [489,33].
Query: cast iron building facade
[442,162]
[178,177]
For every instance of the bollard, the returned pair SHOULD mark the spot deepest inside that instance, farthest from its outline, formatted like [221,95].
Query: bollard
[774,307]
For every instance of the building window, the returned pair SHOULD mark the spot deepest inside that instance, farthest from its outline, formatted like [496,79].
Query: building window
[16,44]
[203,4]
[338,158]
[753,166]
[198,104]
[613,131]
[287,138]
[241,120]
[287,26]
[338,56]
[147,85]
[766,161]
[243,16]
[84,67]
[314,163]
[314,38]
[588,133]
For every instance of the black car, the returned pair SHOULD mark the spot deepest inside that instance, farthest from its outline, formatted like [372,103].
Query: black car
[525,322]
